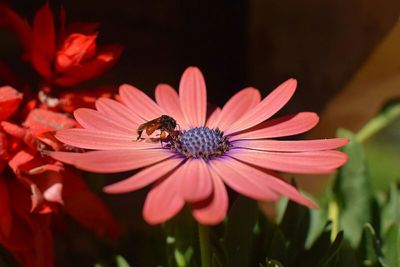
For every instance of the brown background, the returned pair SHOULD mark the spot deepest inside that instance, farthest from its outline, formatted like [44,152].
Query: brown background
[236,43]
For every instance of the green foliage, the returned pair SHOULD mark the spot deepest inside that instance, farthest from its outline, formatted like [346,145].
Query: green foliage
[180,240]
[239,232]
[352,190]
[381,140]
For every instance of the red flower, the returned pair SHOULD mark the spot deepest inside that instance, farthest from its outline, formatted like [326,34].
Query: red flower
[66,59]
[10,100]
[77,49]
[36,186]
[25,235]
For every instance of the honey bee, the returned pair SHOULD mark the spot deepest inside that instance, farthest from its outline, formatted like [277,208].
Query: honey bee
[164,123]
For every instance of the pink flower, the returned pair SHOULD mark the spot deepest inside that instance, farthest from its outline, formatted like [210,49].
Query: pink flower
[233,147]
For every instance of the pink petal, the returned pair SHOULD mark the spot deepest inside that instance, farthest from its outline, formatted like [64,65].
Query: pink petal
[267,108]
[245,183]
[280,127]
[292,146]
[212,121]
[110,161]
[92,119]
[144,177]
[193,97]
[265,180]
[94,139]
[237,106]
[195,178]
[168,100]
[312,162]
[119,112]
[213,211]
[163,201]
[139,102]
[54,193]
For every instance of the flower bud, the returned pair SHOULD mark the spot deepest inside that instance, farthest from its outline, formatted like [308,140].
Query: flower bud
[77,49]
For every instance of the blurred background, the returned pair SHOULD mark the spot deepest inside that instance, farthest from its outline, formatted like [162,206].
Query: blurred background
[236,43]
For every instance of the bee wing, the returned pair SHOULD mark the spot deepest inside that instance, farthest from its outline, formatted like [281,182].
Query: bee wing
[147,124]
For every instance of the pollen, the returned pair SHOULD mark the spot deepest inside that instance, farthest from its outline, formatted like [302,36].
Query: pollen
[200,142]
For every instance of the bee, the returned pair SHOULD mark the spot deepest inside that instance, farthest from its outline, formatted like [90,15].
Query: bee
[164,123]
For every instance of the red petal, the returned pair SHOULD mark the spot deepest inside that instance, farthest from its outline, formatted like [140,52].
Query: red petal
[61,32]
[9,101]
[106,57]
[19,159]
[86,207]
[30,240]
[5,213]
[44,33]
[3,147]
[40,64]
[40,121]
[84,98]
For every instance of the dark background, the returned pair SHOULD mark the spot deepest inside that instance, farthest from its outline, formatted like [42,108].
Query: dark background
[236,44]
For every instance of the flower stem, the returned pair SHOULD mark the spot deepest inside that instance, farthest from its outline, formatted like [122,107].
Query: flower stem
[204,239]
[378,123]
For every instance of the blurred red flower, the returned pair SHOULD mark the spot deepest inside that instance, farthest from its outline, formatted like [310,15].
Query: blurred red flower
[66,58]
[36,186]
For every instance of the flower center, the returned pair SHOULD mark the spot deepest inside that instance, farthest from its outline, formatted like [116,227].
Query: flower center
[201,142]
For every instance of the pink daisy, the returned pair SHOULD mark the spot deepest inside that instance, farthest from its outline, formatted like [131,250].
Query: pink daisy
[233,147]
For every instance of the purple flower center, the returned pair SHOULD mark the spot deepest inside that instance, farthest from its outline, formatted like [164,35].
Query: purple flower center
[201,142]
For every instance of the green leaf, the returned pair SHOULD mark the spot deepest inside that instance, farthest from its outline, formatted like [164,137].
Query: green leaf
[121,262]
[323,253]
[294,226]
[370,253]
[352,190]
[239,232]
[181,237]
[347,256]
[382,139]
[390,209]
[329,258]
[274,242]
[391,245]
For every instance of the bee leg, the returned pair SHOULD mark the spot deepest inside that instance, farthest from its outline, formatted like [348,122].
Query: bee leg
[139,135]
[162,137]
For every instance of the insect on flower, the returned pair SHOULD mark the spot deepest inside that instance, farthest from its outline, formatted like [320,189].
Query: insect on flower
[234,147]
[164,123]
